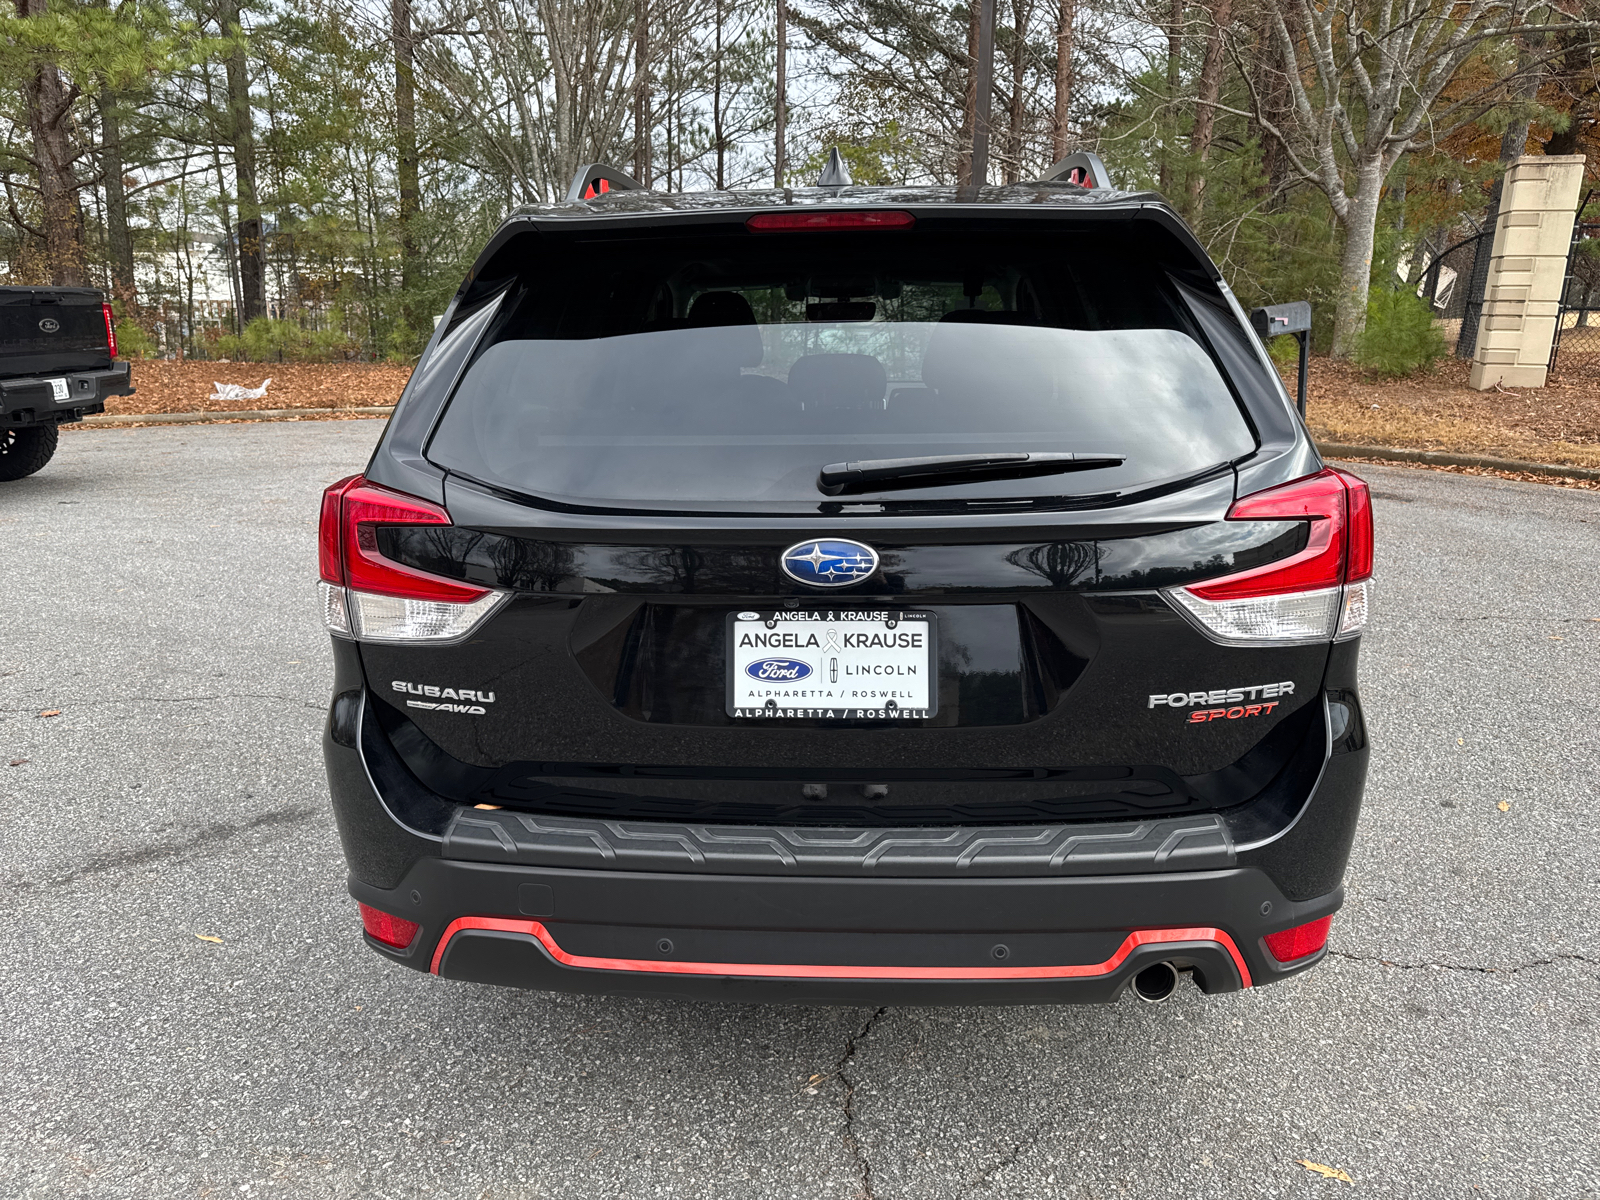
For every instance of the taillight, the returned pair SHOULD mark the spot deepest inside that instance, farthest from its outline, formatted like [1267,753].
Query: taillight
[1291,945]
[1317,594]
[386,927]
[824,219]
[111,328]
[375,599]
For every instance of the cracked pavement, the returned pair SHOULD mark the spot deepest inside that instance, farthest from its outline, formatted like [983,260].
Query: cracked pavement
[159,583]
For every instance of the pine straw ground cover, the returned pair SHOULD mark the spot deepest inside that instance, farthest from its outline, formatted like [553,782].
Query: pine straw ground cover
[1557,424]
[168,387]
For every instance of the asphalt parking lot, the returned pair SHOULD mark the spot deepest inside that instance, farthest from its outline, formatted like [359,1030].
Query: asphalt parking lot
[188,1010]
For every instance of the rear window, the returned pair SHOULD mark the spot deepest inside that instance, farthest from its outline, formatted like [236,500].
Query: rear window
[725,372]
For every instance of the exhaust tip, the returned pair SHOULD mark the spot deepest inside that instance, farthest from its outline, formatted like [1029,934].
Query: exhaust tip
[1156,984]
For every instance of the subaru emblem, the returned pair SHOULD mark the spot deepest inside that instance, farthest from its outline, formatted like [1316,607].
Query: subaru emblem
[829,563]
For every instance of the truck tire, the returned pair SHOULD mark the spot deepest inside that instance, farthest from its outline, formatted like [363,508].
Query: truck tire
[23,451]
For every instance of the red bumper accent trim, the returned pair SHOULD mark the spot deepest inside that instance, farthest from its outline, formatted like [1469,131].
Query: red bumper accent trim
[1139,937]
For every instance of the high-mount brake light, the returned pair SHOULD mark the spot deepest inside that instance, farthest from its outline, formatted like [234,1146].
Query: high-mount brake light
[375,599]
[111,328]
[1291,945]
[793,222]
[387,928]
[1318,594]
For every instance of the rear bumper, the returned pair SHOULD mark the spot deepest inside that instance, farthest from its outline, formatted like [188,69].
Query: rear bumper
[32,400]
[824,940]
[575,906]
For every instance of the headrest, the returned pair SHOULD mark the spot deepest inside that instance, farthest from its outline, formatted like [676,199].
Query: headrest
[838,381]
[730,310]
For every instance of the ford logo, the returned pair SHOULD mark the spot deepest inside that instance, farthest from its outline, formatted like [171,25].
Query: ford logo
[778,670]
[828,563]
[49,325]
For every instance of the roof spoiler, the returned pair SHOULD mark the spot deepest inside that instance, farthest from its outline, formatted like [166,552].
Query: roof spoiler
[597,179]
[1082,167]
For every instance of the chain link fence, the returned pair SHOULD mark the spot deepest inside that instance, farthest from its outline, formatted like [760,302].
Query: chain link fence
[1576,350]
[1451,283]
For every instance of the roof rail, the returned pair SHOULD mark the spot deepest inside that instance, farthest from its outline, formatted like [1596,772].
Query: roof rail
[1082,167]
[597,179]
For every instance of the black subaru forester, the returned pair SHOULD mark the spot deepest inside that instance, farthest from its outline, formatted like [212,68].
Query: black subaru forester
[847,595]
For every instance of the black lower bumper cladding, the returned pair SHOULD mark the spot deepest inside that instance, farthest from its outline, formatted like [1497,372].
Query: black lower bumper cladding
[837,941]
[1012,915]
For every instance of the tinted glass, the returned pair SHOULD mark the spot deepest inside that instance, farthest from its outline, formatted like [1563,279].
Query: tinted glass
[727,371]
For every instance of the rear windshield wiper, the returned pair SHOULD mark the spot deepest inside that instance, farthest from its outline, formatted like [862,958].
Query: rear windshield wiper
[886,474]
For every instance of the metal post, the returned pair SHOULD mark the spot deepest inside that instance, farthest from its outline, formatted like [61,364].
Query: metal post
[1304,338]
[983,74]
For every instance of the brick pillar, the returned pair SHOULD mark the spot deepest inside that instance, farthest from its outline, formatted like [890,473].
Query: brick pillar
[1522,299]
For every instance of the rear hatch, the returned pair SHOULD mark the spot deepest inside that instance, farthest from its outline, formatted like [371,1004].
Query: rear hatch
[844,526]
[46,331]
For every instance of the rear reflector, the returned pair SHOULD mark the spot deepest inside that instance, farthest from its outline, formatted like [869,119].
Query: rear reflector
[1291,945]
[1315,595]
[791,222]
[375,599]
[387,928]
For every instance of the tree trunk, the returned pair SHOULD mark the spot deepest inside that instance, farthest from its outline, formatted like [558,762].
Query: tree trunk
[1272,85]
[1066,20]
[1174,80]
[118,237]
[1019,49]
[1355,264]
[1219,13]
[1570,71]
[716,102]
[405,137]
[983,87]
[48,100]
[1514,142]
[241,132]
[969,110]
[641,93]
[780,114]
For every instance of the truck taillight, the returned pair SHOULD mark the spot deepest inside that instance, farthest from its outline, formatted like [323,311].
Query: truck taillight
[1319,594]
[111,328]
[375,599]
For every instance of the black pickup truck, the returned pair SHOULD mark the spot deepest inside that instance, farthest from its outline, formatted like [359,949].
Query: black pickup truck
[58,363]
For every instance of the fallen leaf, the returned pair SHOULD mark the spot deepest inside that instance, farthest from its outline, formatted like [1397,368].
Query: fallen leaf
[1504,806]
[1325,1172]
[17,762]
[206,937]
[1461,741]
[51,712]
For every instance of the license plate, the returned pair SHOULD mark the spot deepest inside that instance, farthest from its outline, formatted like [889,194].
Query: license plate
[59,389]
[841,664]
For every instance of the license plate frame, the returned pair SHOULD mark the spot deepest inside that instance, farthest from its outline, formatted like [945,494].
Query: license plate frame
[830,690]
